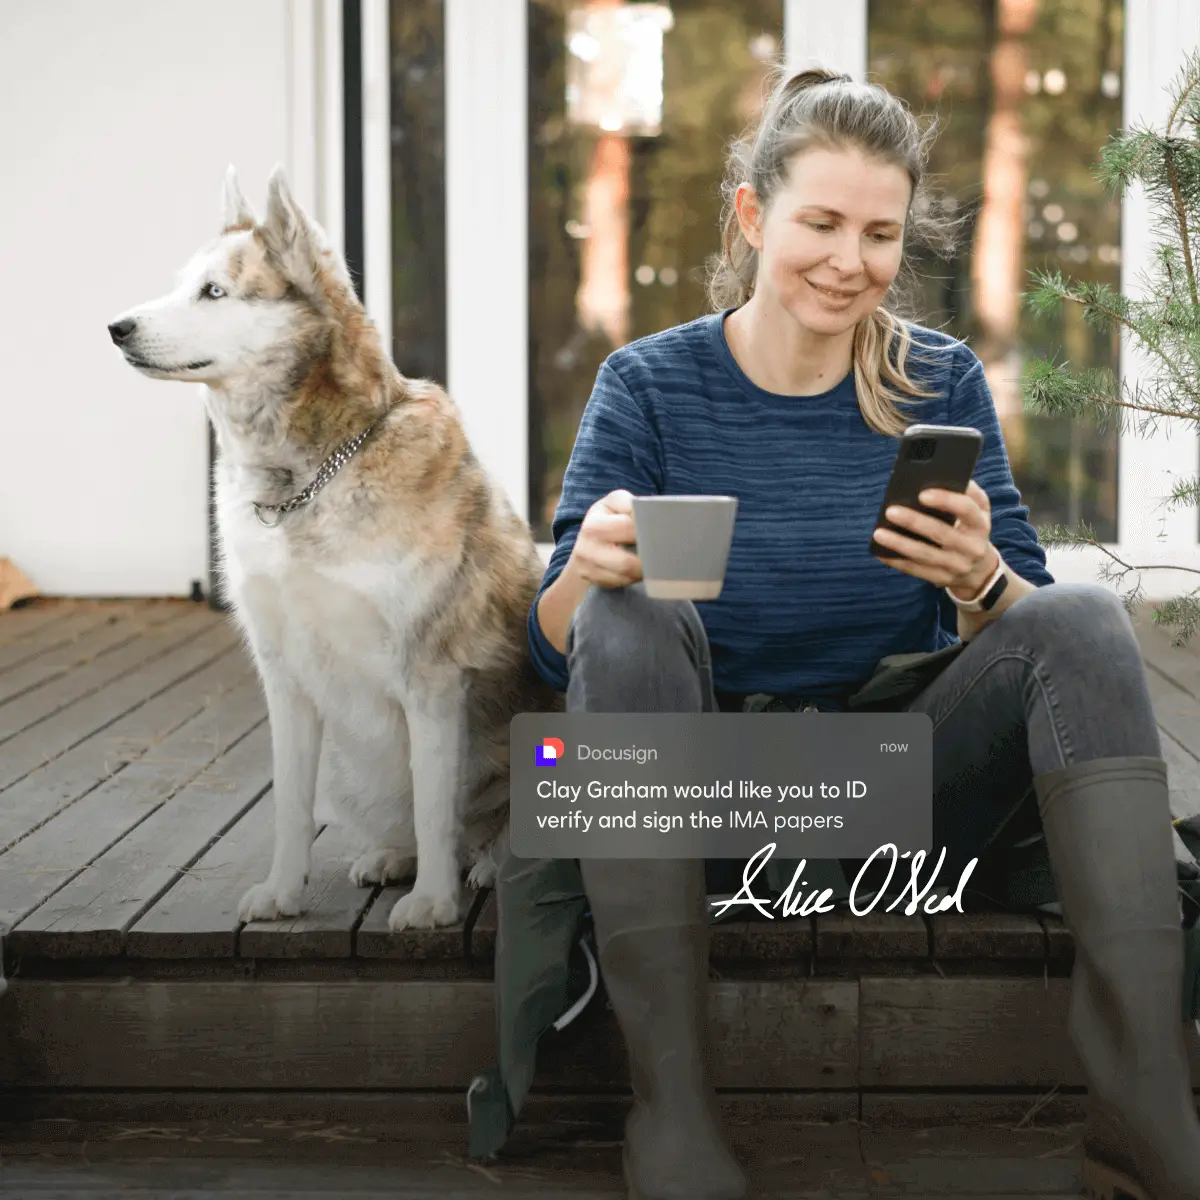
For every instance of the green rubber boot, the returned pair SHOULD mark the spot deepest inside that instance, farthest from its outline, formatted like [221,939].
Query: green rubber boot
[652,935]
[1108,830]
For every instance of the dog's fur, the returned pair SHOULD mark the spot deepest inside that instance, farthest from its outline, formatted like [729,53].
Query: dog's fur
[387,617]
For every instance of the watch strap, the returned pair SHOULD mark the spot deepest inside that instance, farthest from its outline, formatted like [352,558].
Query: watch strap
[985,599]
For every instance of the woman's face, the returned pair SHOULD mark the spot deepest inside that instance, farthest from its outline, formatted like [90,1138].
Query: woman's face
[832,236]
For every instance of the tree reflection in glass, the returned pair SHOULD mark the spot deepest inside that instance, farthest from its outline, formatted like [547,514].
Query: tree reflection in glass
[631,107]
[418,187]
[1027,92]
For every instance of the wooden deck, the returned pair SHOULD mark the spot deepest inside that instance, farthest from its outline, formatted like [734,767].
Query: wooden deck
[136,808]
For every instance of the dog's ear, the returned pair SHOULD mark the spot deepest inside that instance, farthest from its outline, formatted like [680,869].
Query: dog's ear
[289,234]
[238,213]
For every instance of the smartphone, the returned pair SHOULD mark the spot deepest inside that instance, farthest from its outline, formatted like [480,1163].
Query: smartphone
[930,456]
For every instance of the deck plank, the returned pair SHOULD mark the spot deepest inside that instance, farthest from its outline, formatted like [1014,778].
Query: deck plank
[145,638]
[1178,716]
[410,1034]
[18,623]
[967,1032]
[47,860]
[1173,677]
[376,940]
[88,918]
[333,907]
[120,629]
[178,653]
[45,792]
[877,934]
[198,918]
[987,936]
[58,634]
[1184,773]
[1180,664]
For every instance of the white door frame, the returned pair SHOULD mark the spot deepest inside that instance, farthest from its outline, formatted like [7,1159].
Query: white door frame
[377,165]
[486,241]
[330,195]
[487,214]
[820,34]
[1158,33]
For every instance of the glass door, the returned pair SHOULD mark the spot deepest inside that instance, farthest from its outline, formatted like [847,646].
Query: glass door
[583,148]
[631,107]
[1025,95]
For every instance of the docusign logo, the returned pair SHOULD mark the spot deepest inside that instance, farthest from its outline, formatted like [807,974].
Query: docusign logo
[549,752]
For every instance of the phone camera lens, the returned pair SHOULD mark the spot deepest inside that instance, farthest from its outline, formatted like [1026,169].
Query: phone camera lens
[921,449]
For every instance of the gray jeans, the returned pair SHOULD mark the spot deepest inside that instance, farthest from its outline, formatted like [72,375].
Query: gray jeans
[1056,679]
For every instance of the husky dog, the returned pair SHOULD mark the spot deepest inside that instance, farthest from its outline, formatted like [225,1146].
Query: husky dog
[380,576]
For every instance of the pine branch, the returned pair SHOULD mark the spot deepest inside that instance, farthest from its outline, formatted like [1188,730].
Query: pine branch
[1185,493]
[1190,80]
[1059,536]
[1121,159]
[1099,300]
[1181,219]
[1181,613]
[1054,390]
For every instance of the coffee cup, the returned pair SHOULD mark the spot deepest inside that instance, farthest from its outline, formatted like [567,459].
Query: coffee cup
[683,543]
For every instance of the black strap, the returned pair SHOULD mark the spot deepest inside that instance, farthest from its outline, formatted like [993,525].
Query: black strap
[473,916]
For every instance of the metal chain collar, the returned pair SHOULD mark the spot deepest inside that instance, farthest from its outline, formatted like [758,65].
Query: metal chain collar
[271,514]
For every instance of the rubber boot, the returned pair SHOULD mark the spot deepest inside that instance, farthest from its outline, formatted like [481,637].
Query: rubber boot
[651,927]
[1108,830]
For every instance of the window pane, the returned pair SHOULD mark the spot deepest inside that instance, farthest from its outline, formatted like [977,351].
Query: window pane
[1027,93]
[418,188]
[631,107]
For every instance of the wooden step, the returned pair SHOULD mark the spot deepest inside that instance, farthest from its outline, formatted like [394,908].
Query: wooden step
[790,1034]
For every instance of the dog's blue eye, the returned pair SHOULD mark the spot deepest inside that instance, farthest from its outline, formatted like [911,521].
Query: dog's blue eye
[212,291]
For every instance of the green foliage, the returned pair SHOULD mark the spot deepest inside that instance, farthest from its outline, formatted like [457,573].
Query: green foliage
[1159,319]
[1180,616]
[1055,390]
[1184,494]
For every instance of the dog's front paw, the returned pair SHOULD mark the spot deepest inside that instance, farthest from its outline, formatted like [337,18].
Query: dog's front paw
[482,874]
[382,866]
[424,910]
[267,902]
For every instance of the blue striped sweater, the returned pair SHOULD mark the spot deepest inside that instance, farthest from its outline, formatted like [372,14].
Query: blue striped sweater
[806,610]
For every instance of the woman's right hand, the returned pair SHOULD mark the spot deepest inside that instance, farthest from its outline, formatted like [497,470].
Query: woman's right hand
[600,554]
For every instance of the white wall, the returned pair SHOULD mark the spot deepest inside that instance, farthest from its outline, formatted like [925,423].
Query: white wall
[487,327]
[118,123]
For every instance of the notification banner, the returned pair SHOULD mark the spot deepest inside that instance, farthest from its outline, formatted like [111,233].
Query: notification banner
[720,785]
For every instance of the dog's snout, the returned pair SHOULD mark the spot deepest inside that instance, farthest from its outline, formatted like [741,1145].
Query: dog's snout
[119,331]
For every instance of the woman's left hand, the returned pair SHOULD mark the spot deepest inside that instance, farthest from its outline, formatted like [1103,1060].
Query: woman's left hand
[963,558]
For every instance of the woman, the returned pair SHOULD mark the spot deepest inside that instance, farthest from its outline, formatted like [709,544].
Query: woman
[790,396]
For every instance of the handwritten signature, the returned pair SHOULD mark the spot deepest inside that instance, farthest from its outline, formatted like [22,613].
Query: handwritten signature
[795,903]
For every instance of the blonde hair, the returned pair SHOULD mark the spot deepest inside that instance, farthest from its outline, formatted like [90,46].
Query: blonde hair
[819,108]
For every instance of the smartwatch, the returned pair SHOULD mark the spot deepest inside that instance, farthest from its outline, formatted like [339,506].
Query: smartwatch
[985,599]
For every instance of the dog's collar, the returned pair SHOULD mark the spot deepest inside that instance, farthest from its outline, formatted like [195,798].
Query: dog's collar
[272,514]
